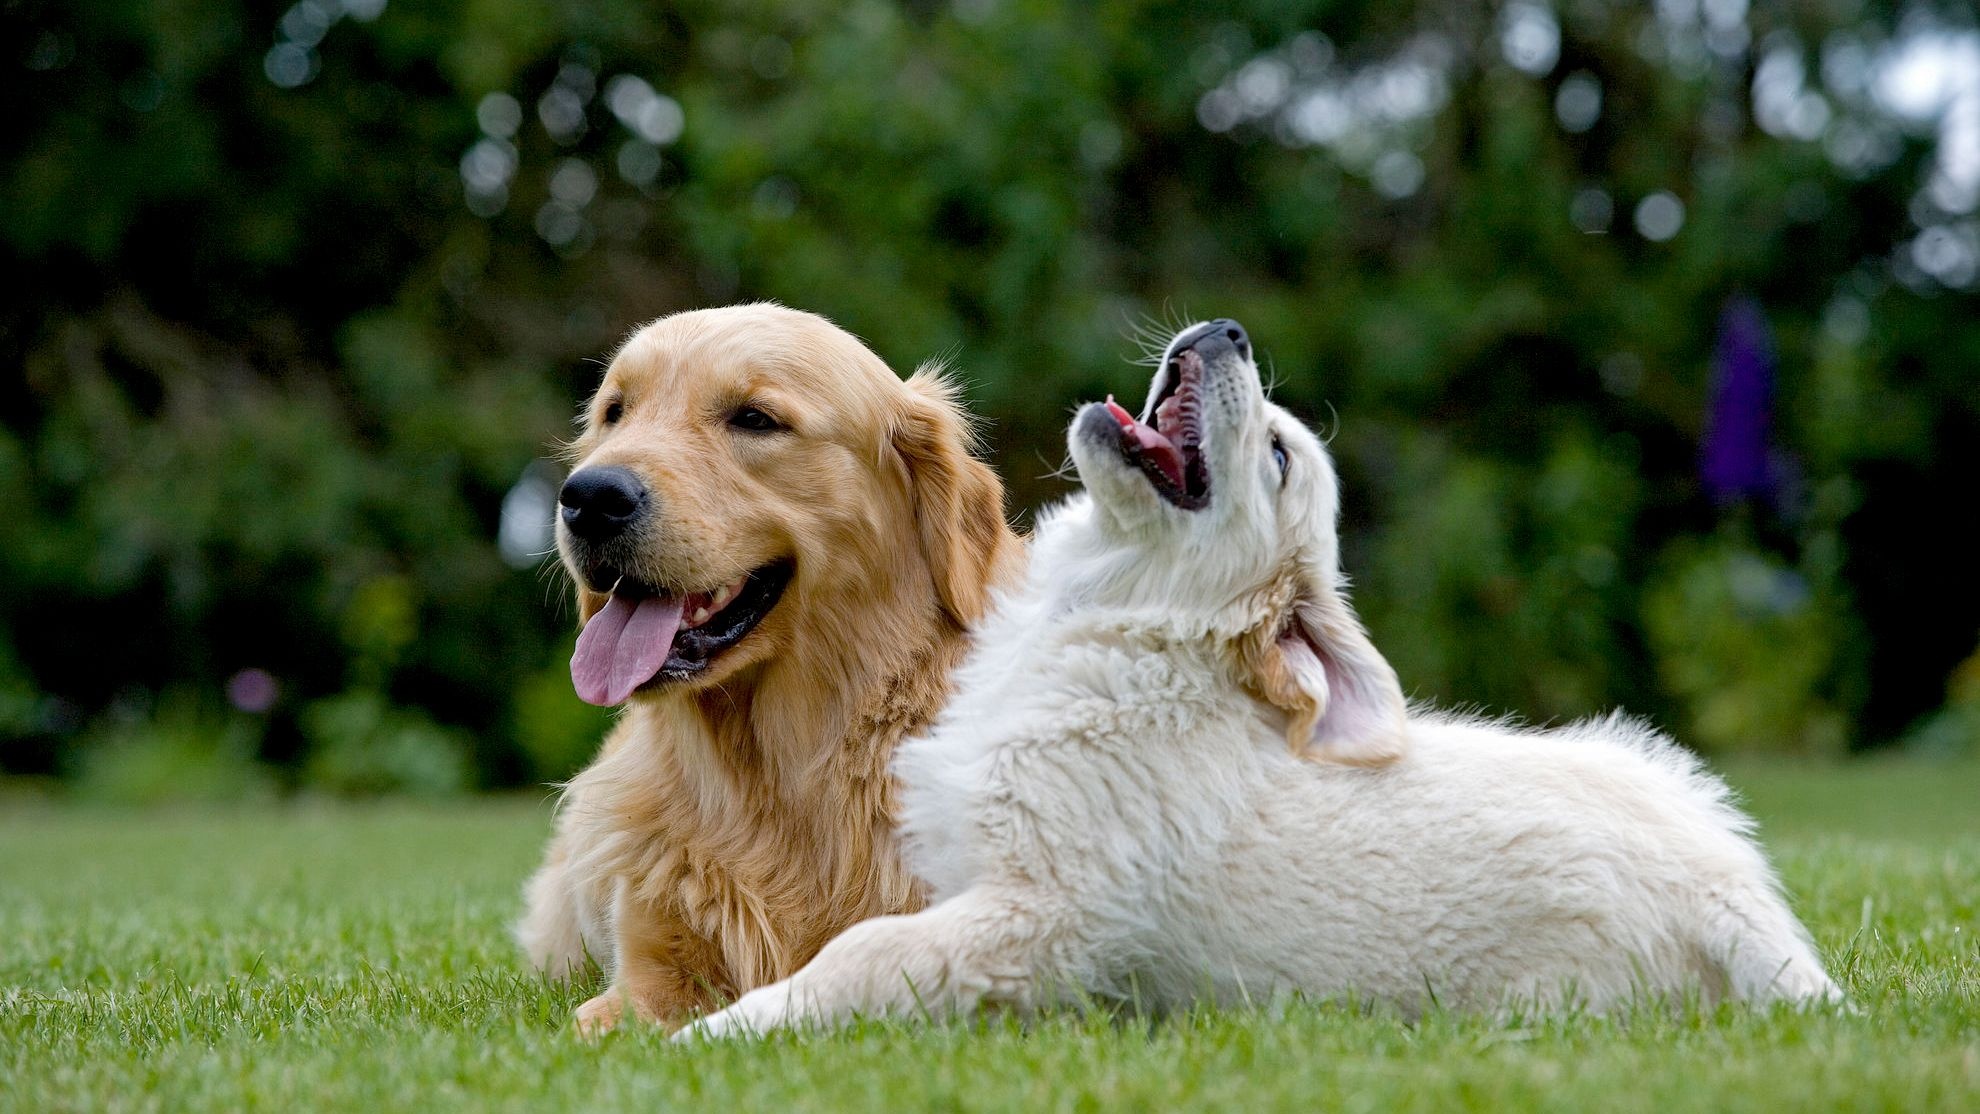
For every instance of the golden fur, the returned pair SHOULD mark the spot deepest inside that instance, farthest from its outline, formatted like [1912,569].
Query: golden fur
[733,824]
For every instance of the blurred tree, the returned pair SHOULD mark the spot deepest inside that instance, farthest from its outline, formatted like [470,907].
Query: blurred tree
[301,294]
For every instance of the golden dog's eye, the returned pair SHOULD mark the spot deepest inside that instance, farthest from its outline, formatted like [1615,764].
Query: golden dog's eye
[754,420]
[1280,458]
[614,411]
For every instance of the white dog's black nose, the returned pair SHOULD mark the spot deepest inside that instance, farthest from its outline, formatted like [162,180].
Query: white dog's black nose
[1211,338]
[599,503]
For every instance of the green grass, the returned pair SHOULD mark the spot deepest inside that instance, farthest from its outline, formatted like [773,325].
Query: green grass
[357,958]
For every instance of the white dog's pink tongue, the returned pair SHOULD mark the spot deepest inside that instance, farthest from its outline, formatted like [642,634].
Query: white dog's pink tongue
[1154,446]
[622,647]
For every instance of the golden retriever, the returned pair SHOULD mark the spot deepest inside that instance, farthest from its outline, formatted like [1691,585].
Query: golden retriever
[778,548]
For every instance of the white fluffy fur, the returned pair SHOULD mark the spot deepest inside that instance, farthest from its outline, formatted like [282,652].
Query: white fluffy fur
[1109,806]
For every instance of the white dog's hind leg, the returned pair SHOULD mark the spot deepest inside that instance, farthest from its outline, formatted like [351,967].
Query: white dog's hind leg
[976,948]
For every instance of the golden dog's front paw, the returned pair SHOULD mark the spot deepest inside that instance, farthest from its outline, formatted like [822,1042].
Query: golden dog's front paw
[600,1015]
[608,1010]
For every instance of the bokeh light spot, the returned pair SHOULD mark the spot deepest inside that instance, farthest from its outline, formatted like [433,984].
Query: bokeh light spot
[499,115]
[1592,210]
[1529,37]
[562,112]
[1659,216]
[1578,102]
[639,162]
[1396,174]
[573,182]
[288,65]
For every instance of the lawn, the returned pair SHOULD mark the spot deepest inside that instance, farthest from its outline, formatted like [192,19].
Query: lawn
[336,958]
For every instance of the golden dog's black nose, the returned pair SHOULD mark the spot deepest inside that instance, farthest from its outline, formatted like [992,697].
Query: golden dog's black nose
[598,504]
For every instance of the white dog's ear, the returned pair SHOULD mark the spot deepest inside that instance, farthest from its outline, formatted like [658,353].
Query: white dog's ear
[1341,698]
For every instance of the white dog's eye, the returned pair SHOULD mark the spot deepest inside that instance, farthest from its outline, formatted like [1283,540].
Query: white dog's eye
[1280,458]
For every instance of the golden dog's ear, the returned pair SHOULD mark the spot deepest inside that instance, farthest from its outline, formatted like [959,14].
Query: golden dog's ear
[1341,698]
[958,501]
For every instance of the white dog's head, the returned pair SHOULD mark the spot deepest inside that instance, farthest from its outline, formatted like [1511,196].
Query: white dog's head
[1215,512]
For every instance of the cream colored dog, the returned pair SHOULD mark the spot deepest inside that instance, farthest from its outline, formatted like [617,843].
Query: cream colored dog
[778,547]
[1176,769]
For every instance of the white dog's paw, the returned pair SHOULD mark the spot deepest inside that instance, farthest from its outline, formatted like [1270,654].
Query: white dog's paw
[709,1028]
[744,1019]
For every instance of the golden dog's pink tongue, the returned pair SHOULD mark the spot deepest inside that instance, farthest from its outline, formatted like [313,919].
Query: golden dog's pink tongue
[1154,446]
[622,647]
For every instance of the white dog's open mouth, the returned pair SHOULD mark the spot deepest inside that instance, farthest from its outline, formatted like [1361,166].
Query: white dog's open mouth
[644,636]
[1170,451]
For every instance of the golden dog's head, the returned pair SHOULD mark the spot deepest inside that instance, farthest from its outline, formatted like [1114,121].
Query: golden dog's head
[748,476]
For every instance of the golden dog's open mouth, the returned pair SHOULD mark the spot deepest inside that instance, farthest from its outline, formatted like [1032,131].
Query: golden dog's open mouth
[1170,451]
[645,636]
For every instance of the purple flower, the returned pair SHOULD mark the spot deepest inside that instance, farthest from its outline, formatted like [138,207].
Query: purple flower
[253,691]
[1734,458]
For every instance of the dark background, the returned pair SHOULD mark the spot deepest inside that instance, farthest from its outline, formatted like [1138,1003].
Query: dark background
[1645,335]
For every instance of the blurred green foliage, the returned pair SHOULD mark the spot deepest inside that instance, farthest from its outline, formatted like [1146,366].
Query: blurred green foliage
[301,293]
[183,750]
[360,745]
